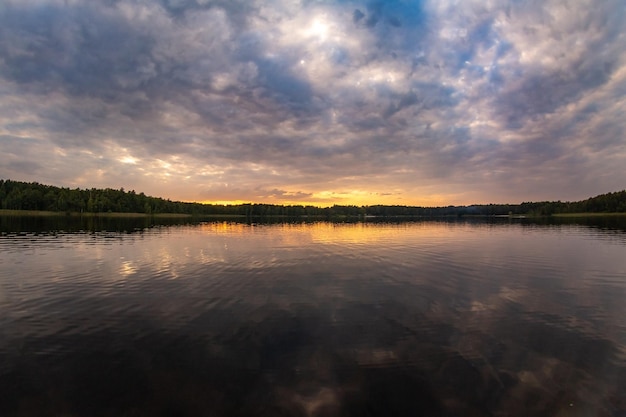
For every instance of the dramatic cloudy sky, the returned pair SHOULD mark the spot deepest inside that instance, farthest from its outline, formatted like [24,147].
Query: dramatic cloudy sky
[302,101]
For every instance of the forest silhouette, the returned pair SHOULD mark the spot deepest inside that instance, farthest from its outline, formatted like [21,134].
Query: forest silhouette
[18,195]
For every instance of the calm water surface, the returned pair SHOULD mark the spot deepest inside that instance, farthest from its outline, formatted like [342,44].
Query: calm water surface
[498,318]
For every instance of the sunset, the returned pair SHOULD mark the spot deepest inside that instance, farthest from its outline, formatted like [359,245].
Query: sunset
[380,102]
[312,208]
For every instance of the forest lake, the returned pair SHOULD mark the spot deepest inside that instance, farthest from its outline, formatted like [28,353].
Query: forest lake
[461,317]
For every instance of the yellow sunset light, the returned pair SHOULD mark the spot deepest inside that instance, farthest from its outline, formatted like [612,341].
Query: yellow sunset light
[128,160]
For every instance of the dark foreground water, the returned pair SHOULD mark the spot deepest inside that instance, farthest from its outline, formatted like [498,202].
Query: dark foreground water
[481,318]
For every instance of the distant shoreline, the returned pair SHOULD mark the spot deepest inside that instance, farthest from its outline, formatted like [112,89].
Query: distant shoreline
[588,214]
[34,199]
[43,213]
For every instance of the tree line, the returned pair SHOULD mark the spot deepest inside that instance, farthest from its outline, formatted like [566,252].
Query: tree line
[17,195]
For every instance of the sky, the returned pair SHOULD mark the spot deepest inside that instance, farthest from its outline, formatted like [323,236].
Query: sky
[410,102]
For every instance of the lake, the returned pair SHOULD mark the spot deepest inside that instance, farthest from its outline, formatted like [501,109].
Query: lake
[483,317]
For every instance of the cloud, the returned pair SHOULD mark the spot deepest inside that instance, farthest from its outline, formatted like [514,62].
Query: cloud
[403,101]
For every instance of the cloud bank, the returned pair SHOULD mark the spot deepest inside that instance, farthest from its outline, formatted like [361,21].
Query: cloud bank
[394,102]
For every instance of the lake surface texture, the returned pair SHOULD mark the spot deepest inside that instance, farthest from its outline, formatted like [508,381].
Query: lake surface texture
[428,318]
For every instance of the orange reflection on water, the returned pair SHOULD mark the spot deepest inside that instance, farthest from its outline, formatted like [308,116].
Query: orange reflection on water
[227,228]
[375,233]
[329,233]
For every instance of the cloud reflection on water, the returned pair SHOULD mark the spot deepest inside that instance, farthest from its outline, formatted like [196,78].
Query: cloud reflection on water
[423,318]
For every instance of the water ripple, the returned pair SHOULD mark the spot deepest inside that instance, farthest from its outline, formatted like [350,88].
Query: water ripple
[471,319]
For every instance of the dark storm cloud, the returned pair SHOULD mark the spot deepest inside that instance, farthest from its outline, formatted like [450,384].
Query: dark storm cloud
[81,49]
[282,85]
[95,51]
[357,15]
[542,92]
[237,10]
[302,95]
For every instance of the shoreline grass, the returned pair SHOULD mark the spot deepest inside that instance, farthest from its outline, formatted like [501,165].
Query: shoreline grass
[6,212]
[588,214]
[40,213]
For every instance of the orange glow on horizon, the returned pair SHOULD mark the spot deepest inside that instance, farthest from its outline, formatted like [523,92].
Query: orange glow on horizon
[273,202]
[351,198]
[430,201]
[359,198]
